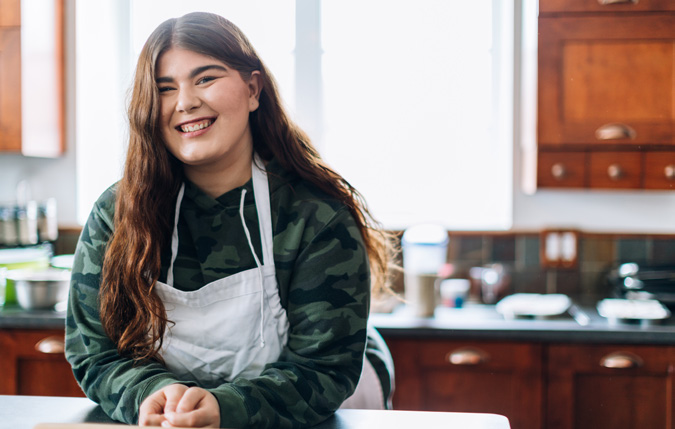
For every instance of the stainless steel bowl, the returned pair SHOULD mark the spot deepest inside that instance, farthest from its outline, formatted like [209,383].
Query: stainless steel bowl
[42,289]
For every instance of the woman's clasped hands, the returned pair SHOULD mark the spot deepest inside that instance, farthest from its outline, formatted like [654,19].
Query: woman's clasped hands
[178,405]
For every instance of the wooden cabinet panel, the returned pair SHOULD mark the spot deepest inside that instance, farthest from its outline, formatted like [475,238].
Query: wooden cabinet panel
[562,169]
[10,89]
[10,13]
[618,387]
[33,363]
[616,170]
[485,377]
[659,170]
[553,6]
[598,71]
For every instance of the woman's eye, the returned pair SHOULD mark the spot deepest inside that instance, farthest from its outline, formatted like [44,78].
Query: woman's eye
[164,89]
[205,79]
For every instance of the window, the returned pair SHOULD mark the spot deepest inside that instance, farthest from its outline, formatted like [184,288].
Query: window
[411,101]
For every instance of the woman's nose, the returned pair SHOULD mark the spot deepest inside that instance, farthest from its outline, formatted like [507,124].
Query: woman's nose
[187,100]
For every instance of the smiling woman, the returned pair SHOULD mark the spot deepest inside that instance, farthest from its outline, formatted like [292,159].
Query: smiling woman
[225,280]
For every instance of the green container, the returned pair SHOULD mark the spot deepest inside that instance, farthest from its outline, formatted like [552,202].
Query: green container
[34,258]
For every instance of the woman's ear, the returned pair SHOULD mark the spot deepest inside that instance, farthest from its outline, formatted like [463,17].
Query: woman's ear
[254,88]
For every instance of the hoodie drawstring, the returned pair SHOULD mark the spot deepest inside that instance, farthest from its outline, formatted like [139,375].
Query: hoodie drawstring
[257,262]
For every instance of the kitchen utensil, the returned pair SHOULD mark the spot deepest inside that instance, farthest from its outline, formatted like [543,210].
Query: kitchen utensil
[42,289]
[454,292]
[420,294]
[493,281]
[36,258]
[425,249]
[533,305]
[642,311]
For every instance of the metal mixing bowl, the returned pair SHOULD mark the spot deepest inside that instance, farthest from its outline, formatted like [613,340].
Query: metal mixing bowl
[41,289]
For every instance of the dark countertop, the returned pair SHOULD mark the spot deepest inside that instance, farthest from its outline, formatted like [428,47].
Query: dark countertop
[482,322]
[24,412]
[478,322]
[17,318]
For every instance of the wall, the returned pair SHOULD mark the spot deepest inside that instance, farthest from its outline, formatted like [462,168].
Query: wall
[50,177]
[648,212]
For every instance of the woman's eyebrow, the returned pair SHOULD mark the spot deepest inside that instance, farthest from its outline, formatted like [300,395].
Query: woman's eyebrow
[193,73]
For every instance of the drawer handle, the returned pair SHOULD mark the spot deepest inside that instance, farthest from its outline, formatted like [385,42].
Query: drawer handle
[615,172]
[50,345]
[606,2]
[467,356]
[558,171]
[669,172]
[615,132]
[621,360]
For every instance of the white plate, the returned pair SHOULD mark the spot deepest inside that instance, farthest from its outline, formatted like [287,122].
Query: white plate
[533,304]
[633,309]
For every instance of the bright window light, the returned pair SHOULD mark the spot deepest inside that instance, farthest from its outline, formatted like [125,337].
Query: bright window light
[411,101]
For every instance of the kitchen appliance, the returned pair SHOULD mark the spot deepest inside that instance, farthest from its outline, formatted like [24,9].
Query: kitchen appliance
[642,281]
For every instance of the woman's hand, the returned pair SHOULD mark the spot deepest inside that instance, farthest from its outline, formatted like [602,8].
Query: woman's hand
[177,405]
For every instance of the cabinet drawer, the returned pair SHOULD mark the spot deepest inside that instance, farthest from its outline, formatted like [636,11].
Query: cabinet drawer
[492,355]
[610,359]
[659,172]
[553,6]
[616,170]
[562,169]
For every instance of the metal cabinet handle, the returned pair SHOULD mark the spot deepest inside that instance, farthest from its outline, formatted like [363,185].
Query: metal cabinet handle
[615,172]
[669,172]
[621,360]
[558,171]
[467,356]
[606,2]
[51,345]
[615,132]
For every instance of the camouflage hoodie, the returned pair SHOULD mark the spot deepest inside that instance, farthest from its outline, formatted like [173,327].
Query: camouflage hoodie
[323,276]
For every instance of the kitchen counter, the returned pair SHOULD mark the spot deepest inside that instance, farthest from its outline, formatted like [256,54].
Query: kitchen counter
[24,412]
[16,317]
[483,322]
[471,322]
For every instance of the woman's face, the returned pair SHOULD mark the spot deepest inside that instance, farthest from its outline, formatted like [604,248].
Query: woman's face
[205,106]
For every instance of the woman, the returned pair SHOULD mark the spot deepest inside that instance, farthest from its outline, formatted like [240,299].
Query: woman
[225,280]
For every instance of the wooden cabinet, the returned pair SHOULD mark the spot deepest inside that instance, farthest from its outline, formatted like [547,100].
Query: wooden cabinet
[33,363]
[484,377]
[538,385]
[606,92]
[38,56]
[603,386]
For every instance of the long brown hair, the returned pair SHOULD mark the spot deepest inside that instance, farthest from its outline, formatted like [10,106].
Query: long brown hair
[133,316]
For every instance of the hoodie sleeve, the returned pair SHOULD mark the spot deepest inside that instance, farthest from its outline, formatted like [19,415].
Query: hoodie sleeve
[116,383]
[327,306]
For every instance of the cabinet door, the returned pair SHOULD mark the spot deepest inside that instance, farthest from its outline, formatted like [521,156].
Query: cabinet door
[35,364]
[554,6]
[480,377]
[10,13]
[10,89]
[617,387]
[606,81]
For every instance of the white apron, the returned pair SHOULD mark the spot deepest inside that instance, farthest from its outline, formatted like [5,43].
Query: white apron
[233,326]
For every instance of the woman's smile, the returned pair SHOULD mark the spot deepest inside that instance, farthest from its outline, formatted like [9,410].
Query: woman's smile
[191,128]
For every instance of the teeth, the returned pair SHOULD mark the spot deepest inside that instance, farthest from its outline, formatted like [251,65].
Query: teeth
[195,127]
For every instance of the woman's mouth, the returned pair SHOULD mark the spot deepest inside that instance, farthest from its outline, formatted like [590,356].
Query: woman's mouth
[195,126]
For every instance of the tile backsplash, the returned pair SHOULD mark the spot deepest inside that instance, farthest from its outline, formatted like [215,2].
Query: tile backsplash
[521,253]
